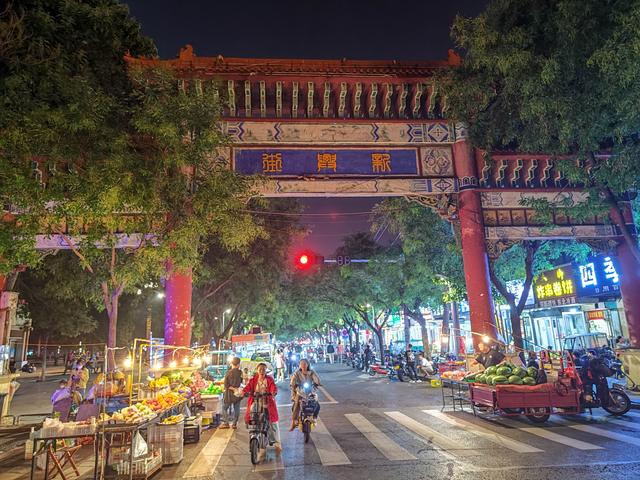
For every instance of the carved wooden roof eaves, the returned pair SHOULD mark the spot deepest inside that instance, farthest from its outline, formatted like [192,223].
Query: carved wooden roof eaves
[187,62]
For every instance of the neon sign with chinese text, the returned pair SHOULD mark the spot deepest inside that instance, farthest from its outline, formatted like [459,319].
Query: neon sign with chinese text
[555,287]
[599,276]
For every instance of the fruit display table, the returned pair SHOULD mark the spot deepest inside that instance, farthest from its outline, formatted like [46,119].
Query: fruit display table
[455,394]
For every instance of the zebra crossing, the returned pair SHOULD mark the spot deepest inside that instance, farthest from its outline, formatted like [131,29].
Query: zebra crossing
[454,436]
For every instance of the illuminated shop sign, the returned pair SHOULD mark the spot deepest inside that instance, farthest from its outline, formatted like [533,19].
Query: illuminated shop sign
[598,276]
[555,287]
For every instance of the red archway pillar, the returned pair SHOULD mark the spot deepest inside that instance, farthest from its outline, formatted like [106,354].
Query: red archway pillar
[630,288]
[177,308]
[474,253]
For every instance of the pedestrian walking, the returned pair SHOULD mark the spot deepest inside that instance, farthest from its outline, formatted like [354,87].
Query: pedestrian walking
[280,365]
[330,353]
[340,349]
[231,400]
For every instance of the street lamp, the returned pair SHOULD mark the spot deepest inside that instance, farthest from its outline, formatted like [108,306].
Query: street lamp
[228,310]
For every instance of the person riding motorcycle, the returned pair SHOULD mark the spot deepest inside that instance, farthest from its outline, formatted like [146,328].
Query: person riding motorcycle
[303,375]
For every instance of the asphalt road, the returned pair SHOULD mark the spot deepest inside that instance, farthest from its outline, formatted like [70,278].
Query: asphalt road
[371,428]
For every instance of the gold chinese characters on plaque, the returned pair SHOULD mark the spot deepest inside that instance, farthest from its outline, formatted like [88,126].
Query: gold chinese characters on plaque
[380,162]
[271,162]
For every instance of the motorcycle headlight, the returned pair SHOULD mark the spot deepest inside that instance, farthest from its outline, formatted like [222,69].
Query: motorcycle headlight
[306,385]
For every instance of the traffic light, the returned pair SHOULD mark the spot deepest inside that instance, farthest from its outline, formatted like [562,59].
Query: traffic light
[307,259]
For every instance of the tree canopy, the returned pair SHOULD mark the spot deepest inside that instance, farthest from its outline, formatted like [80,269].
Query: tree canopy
[558,77]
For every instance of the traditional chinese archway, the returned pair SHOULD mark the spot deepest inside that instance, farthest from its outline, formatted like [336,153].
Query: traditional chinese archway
[325,128]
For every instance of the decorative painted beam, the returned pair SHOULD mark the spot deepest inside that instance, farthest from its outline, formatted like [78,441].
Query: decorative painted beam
[430,103]
[361,132]
[545,233]
[326,100]
[263,99]
[495,198]
[373,99]
[357,94]
[485,176]
[546,172]
[58,242]
[397,187]
[530,177]
[500,173]
[387,92]
[232,98]
[278,99]
[247,98]
[342,99]
[310,93]
[402,100]
[216,91]
[294,99]
[516,173]
[415,100]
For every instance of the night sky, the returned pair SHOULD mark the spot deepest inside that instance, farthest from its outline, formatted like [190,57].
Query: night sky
[331,29]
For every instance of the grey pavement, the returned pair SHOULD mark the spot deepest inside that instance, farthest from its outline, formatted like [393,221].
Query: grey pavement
[372,428]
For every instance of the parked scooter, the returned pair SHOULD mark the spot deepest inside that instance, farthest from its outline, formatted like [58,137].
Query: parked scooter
[28,367]
[593,373]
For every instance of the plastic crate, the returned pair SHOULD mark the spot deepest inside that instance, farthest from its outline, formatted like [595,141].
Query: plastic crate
[169,439]
[142,467]
[192,430]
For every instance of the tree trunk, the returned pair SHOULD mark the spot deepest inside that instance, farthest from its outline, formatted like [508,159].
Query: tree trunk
[380,342]
[43,371]
[457,333]
[113,330]
[444,341]
[424,332]
[407,328]
[516,326]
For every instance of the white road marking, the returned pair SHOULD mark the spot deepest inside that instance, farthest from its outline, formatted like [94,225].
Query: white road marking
[446,446]
[495,437]
[207,460]
[327,394]
[364,376]
[606,433]
[605,420]
[556,437]
[382,442]
[328,449]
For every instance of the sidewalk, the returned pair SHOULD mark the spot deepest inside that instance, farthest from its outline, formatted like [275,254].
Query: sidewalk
[34,396]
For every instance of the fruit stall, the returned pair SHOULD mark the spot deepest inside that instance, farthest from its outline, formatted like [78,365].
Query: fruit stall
[508,389]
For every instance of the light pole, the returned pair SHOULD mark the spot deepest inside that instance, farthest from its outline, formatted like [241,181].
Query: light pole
[228,310]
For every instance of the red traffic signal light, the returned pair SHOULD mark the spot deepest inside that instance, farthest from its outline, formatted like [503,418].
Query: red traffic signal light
[306,260]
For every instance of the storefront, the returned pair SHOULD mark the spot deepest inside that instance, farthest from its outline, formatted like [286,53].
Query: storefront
[574,299]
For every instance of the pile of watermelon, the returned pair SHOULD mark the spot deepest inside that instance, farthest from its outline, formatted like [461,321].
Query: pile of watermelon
[507,374]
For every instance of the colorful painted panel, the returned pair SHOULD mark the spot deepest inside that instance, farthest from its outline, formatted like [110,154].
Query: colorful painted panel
[367,187]
[289,162]
[343,133]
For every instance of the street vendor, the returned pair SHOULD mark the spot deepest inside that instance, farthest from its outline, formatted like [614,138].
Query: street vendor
[489,356]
